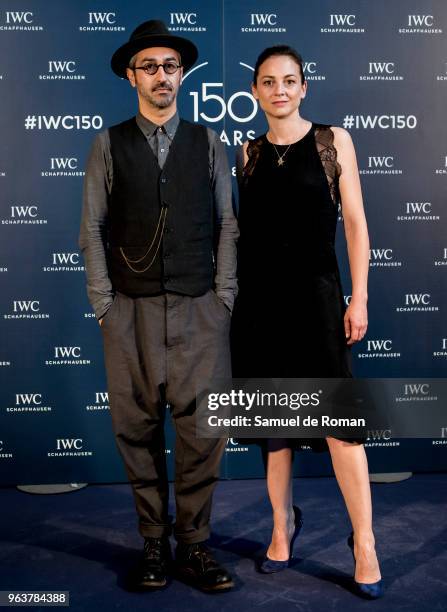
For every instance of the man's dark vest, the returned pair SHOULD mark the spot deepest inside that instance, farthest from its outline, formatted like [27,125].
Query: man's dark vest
[184,263]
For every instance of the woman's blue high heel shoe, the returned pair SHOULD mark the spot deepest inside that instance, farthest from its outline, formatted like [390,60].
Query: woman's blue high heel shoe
[270,566]
[374,590]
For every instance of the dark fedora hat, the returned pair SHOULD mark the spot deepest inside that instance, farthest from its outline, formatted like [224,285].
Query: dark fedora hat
[152,33]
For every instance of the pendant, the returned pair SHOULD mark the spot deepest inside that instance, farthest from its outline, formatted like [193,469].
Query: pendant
[280,161]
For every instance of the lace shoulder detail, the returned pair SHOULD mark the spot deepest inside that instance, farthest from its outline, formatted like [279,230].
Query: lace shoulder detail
[324,138]
[253,151]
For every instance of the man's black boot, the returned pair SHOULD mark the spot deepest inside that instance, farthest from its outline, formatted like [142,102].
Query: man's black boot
[155,565]
[195,564]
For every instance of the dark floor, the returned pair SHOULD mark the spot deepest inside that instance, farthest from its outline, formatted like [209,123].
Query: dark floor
[85,541]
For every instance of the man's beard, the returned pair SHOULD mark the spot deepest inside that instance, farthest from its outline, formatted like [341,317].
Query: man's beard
[160,101]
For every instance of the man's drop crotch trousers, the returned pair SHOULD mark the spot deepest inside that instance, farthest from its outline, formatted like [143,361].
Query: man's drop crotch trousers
[161,349]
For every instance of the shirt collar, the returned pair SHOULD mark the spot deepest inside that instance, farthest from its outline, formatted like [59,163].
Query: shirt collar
[149,128]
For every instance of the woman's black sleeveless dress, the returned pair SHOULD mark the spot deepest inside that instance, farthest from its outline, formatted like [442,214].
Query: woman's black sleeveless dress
[288,316]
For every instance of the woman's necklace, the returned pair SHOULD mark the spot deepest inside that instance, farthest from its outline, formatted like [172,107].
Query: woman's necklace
[280,161]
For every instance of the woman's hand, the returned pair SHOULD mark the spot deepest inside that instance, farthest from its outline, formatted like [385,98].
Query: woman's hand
[356,321]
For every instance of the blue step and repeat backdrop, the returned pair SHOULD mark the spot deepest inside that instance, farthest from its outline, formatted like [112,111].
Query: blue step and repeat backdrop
[377,68]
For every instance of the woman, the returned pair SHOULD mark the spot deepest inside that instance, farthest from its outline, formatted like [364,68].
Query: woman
[290,318]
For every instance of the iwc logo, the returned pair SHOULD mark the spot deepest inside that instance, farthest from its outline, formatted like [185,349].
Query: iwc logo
[61,167]
[23,21]
[61,70]
[381,71]
[263,22]
[416,392]
[4,454]
[101,402]
[185,22]
[443,261]
[379,349]
[24,214]
[383,258]
[420,24]
[342,24]
[418,211]
[380,437]
[28,402]
[67,356]
[311,72]
[64,262]
[443,168]
[380,165]
[233,446]
[443,76]
[417,302]
[69,447]
[101,22]
[26,309]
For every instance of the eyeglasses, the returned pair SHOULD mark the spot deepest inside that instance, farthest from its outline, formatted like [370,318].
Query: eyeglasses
[168,67]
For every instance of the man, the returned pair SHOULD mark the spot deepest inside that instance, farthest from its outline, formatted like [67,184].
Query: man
[158,236]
